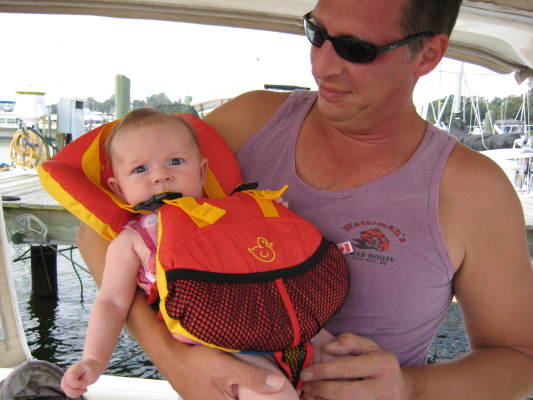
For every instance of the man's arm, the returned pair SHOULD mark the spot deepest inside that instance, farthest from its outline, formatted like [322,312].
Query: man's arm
[483,226]
[195,372]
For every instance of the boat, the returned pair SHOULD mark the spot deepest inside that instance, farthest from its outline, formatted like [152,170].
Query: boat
[495,34]
[9,122]
[515,126]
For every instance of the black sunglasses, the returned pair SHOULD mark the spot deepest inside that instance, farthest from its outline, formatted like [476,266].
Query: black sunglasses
[353,50]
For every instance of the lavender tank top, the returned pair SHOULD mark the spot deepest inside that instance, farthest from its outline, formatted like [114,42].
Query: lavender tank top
[401,275]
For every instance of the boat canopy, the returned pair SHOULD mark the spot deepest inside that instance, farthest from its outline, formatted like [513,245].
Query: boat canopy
[496,34]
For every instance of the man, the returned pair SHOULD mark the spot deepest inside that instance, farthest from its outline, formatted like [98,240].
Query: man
[422,218]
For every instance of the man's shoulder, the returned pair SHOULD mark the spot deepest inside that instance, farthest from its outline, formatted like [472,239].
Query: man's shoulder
[257,103]
[473,177]
[470,163]
[237,120]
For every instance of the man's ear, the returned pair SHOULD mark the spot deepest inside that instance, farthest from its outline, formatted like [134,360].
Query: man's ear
[115,187]
[203,170]
[431,54]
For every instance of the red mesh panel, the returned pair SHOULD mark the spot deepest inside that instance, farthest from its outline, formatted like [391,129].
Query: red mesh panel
[227,315]
[317,298]
[252,316]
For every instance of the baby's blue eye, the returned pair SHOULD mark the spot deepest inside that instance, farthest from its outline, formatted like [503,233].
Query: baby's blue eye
[177,161]
[140,169]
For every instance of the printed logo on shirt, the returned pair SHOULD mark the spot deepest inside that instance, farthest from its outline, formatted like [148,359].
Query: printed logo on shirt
[371,241]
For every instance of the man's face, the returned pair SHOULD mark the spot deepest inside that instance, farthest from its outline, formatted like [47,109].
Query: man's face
[348,90]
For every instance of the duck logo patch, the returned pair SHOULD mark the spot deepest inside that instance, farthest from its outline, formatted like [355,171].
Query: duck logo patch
[264,251]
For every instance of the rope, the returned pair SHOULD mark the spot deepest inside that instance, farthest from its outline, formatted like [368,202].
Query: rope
[27,149]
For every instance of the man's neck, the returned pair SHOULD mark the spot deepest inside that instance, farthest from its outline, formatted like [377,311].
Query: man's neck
[332,157]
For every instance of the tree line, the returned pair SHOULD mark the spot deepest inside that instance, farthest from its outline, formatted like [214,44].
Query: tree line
[160,100]
[473,109]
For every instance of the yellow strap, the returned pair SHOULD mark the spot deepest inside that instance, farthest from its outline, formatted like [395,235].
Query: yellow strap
[207,214]
[202,214]
[212,187]
[92,164]
[127,207]
[264,199]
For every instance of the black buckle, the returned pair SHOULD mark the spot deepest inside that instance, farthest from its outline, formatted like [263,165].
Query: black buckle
[156,201]
[245,186]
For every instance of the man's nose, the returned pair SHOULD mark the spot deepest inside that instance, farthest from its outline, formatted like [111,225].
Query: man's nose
[325,61]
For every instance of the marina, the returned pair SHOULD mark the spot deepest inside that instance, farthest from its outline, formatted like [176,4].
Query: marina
[31,214]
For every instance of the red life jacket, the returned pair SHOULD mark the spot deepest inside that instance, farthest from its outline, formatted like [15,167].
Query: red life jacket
[246,274]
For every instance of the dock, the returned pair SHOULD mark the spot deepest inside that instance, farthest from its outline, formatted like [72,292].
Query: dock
[31,214]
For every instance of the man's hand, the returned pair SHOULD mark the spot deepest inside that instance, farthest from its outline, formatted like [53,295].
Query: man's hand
[208,374]
[370,372]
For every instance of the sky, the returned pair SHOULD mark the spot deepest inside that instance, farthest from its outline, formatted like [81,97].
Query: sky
[79,57]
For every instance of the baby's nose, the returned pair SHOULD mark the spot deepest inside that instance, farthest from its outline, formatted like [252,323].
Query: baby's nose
[162,177]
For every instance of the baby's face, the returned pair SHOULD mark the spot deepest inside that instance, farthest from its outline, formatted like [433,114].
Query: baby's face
[158,158]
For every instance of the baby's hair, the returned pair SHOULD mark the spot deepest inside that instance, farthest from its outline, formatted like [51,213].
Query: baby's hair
[140,117]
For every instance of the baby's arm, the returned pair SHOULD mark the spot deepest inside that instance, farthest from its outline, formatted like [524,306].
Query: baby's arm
[108,314]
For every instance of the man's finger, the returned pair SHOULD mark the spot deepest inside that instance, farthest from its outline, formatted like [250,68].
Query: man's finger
[362,366]
[348,344]
[259,379]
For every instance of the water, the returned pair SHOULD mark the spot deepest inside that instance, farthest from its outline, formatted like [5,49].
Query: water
[55,327]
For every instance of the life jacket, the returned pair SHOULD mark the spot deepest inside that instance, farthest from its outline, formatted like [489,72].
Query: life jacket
[246,274]
[77,176]
[218,255]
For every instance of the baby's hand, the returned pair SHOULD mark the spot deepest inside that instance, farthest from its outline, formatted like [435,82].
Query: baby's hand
[282,202]
[78,377]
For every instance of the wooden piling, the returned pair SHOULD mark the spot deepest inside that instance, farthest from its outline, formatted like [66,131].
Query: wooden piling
[122,96]
[44,270]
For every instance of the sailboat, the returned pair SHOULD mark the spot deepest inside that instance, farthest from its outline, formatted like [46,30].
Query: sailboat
[486,135]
